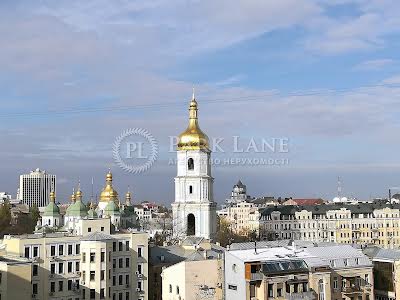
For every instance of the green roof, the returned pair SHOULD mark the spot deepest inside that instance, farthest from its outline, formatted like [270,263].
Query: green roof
[78,209]
[92,213]
[111,209]
[51,210]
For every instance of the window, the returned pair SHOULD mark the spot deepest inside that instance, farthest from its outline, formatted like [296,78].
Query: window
[170,288]
[77,249]
[92,293]
[60,268]
[83,257]
[35,251]
[120,279]
[52,286]
[190,189]
[127,279]
[120,263]
[102,256]
[120,296]
[89,229]
[335,283]
[139,268]
[321,290]
[102,275]
[114,280]
[120,246]
[69,285]
[52,268]
[102,295]
[114,263]
[60,249]
[77,266]
[34,288]
[127,296]
[69,267]
[270,290]
[27,252]
[35,270]
[139,252]
[92,275]
[60,286]
[69,249]
[177,290]
[126,245]
[92,256]
[366,277]
[52,250]
[114,246]
[190,164]
[127,262]
[102,228]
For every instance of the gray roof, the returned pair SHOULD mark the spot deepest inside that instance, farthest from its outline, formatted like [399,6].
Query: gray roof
[360,208]
[341,256]
[97,236]
[377,254]
[279,243]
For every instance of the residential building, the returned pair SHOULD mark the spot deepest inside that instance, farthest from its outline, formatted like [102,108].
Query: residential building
[15,278]
[35,188]
[162,257]
[194,209]
[325,273]
[303,201]
[96,264]
[363,223]
[243,217]
[386,272]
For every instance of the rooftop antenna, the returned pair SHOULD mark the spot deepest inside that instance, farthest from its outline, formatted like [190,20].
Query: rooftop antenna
[339,188]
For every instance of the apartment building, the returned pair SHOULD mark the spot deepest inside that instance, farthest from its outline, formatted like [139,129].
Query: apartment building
[362,223]
[15,278]
[386,272]
[324,273]
[98,264]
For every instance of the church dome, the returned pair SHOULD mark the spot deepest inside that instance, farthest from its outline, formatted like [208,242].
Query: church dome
[109,193]
[78,209]
[92,213]
[111,209]
[52,209]
[193,138]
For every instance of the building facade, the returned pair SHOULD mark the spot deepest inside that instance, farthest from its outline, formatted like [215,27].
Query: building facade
[97,264]
[194,209]
[362,223]
[324,273]
[35,188]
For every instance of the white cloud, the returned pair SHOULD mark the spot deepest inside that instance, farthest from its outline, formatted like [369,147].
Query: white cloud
[374,64]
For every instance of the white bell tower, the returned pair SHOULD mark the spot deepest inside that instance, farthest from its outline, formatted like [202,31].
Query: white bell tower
[194,209]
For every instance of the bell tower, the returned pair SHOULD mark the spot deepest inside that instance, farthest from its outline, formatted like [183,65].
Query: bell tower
[194,209]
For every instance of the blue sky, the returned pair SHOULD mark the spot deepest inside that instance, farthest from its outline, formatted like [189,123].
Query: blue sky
[324,74]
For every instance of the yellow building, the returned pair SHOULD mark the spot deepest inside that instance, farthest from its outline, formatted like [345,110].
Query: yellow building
[15,278]
[98,264]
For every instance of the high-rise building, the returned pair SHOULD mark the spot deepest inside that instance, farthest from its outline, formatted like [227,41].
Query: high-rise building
[194,209]
[35,188]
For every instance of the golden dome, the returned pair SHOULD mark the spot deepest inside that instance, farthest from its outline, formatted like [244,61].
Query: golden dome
[52,196]
[108,193]
[73,197]
[193,138]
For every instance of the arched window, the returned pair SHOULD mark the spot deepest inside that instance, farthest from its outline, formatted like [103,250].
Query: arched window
[191,225]
[190,164]
[190,189]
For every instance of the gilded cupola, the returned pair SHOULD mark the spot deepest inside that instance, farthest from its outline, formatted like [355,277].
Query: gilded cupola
[193,138]
[108,193]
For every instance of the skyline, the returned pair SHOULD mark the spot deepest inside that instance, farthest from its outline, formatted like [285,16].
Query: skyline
[324,75]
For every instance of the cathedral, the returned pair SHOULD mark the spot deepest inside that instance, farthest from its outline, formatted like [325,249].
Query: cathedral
[121,214]
[194,209]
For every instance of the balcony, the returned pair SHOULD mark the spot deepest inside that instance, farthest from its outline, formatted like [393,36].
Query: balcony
[301,296]
[351,290]
[256,276]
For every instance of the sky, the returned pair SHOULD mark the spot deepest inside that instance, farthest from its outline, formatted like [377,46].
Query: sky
[322,75]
